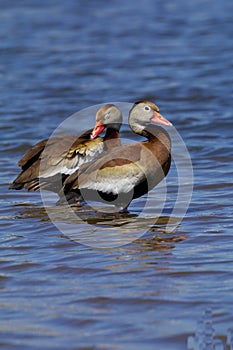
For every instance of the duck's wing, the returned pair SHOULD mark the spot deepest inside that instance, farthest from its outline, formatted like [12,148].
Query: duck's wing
[114,172]
[120,170]
[66,156]
[32,154]
[57,156]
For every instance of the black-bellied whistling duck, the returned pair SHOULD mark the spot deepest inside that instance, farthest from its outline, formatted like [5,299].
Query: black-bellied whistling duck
[49,162]
[130,171]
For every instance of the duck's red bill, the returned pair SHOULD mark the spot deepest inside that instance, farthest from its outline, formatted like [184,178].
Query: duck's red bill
[97,130]
[159,119]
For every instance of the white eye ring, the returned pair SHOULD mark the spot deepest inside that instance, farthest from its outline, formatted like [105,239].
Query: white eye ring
[107,116]
[147,108]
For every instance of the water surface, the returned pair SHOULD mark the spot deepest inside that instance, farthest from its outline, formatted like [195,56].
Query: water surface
[60,57]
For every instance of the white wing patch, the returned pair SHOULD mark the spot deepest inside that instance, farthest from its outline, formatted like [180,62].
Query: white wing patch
[68,166]
[119,179]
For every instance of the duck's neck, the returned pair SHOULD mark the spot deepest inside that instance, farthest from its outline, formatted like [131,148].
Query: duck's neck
[136,126]
[112,138]
[148,131]
[152,133]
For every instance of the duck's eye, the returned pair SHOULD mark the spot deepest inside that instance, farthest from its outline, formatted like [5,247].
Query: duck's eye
[107,116]
[147,108]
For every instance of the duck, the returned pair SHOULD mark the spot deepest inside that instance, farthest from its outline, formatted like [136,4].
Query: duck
[127,172]
[47,164]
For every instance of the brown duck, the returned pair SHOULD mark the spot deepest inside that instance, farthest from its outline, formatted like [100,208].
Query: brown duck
[126,172]
[49,162]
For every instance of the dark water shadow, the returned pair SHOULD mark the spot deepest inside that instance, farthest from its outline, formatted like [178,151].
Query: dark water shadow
[102,229]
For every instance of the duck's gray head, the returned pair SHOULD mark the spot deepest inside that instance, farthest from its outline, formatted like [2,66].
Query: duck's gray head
[108,116]
[144,112]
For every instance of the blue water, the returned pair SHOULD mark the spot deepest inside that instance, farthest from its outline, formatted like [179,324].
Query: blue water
[59,57]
